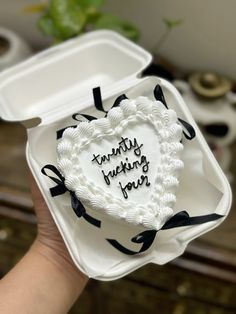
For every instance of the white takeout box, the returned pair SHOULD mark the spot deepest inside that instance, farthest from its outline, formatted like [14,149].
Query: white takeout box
[58,82]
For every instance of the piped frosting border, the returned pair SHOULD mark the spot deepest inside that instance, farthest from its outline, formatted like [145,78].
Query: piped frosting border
[169,132]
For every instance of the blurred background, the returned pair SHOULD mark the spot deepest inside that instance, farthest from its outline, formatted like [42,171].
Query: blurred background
[193,45]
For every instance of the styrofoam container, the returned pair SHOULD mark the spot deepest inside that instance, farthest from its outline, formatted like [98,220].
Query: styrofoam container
[57,83]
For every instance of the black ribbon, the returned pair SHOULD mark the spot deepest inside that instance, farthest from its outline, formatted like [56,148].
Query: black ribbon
[147,237]
[75,116]
[60,189]
[158,94]
[190,134]
[98,99]
[119,100]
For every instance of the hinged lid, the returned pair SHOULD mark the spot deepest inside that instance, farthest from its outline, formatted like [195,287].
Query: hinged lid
[63,73]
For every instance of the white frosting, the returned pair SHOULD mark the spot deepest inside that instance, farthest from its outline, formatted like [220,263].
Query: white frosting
[157,130]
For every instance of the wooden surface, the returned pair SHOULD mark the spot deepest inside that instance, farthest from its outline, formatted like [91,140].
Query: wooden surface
[203,280]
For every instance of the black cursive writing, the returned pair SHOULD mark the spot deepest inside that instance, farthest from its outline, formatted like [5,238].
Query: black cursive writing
[124,145]
[126,166]
[134,185]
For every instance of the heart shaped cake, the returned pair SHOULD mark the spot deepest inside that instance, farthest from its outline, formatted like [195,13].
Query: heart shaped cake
[125,165]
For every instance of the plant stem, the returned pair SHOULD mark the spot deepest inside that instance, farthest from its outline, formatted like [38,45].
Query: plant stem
[161,41]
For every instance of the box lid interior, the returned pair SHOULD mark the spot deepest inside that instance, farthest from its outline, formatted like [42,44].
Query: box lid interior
[53,78]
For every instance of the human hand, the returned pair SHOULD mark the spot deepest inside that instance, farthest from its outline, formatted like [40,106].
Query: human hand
[45,280]
[49,242]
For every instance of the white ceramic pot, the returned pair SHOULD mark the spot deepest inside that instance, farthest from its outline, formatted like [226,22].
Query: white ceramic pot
[13,48]
[216,117]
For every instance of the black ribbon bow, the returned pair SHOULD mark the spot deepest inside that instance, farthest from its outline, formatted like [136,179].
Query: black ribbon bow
[147,237]
[190,134]
[60,189]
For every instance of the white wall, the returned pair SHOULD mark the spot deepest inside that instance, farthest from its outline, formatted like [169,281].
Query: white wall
[206,40]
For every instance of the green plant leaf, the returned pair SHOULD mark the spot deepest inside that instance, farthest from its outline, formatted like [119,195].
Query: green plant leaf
[92,15]
[46,25]
[114,23]
[90,3]
[172,23]
[67,17]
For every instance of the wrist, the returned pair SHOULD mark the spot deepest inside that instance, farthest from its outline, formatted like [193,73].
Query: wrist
[60,259]
[44,281]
